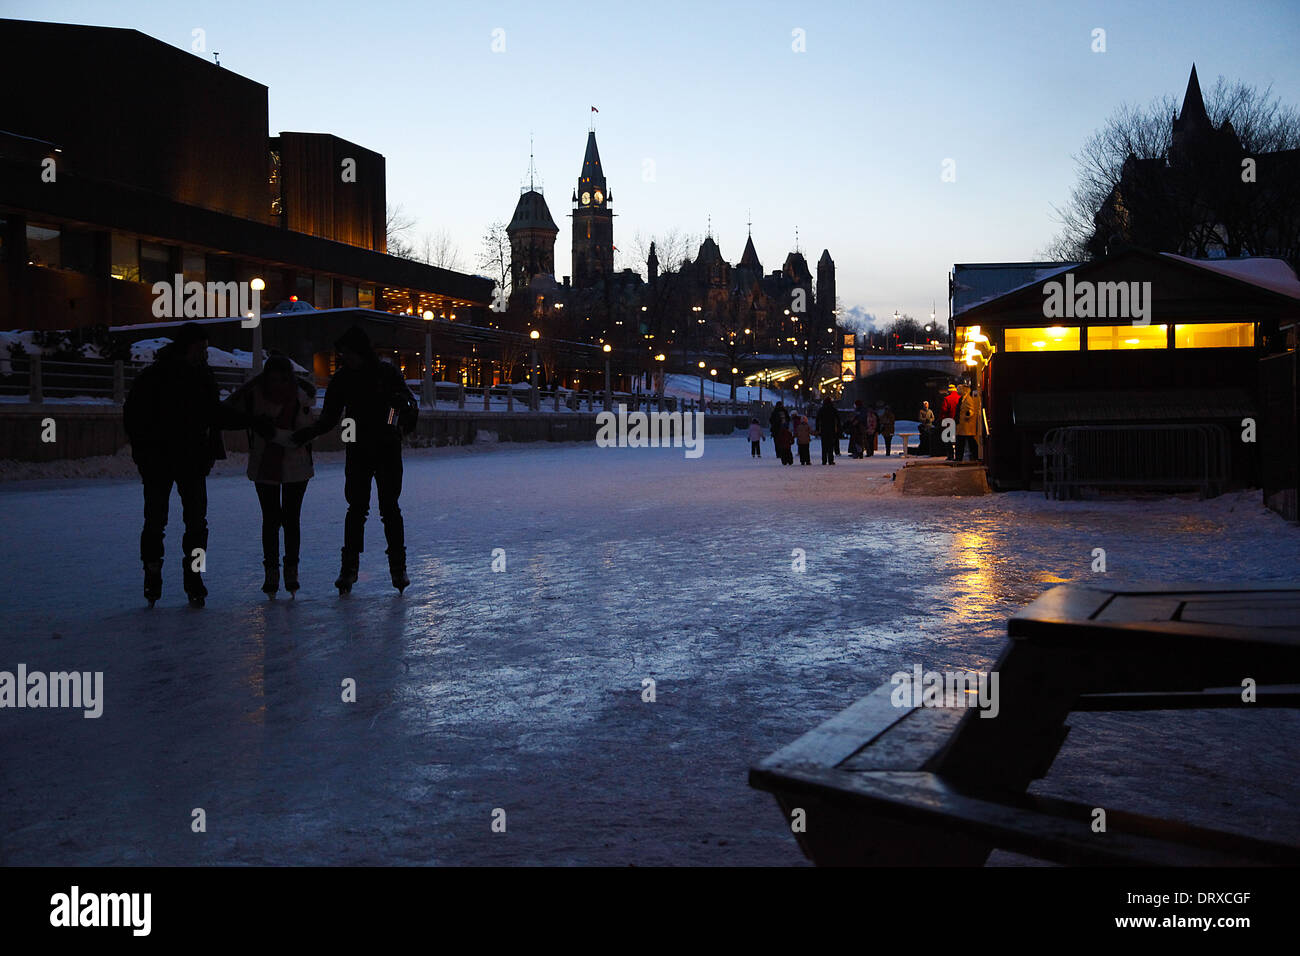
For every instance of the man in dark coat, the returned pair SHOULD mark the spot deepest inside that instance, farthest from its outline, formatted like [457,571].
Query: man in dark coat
[174,418]
[374,396]
[779,418]
[828,426]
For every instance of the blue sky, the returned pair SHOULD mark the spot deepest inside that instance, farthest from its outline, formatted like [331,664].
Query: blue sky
[844,141]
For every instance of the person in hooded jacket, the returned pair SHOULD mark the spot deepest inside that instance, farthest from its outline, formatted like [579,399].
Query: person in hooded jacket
[174,417]
[803,437]
[278,468]
[377,402]
[755,438]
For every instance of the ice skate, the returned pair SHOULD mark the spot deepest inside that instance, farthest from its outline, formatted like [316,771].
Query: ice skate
[152,581]
[347,574]
[194,589]
[271,583]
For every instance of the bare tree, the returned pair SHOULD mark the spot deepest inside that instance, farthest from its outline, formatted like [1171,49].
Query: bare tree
[904,329]
[672,248]
[1126,189]
[440,249]
[494,256]
[397,228]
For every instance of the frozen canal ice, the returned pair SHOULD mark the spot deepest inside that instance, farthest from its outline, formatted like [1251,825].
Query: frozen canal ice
[522,690]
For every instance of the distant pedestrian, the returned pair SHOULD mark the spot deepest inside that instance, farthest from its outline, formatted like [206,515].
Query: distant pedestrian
[870,423]
[780,416]
[967,420]
[784,441]
[174,418]
[886,423]
[828,427]
[948,412]
[803,435]
[925,424]
[279,469]
[755,438]
[851,427]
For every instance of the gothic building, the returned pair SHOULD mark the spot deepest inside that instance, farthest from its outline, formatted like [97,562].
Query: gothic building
[593,222]
[1207,197]
[532,234]
[700,304]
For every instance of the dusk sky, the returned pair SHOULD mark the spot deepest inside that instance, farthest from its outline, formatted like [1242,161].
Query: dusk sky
[706,110]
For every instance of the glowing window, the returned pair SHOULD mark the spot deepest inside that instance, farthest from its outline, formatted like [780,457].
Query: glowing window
[1217,335]
[1103,338]
[1056,338]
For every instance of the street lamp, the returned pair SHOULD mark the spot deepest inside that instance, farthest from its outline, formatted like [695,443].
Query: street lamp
[428,359]
[532,372]
[609,395]
[257,285]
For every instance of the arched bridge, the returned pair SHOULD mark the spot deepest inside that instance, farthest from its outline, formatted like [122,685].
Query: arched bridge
[931,361]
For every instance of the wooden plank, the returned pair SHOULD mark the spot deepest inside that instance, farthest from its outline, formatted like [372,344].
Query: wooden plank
[1144,607]
[1044,828]
[1272,614]
[845,733]
[1187,700]
[1067,603]
[909,744]
[1155,634]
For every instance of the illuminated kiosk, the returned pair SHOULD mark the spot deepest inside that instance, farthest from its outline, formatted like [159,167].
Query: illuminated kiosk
[1134,338]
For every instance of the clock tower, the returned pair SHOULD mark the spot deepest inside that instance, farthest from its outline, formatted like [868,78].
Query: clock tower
[593,222]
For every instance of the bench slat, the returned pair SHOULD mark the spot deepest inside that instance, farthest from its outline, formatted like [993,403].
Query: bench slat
[845,733]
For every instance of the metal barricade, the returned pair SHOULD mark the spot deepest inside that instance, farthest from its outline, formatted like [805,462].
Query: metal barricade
[1174,457]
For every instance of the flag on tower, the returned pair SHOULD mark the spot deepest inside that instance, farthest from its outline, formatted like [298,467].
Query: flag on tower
[594,110]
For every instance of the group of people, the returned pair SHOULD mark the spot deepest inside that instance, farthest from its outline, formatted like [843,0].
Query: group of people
[865,427]
[174,417]
[790,429]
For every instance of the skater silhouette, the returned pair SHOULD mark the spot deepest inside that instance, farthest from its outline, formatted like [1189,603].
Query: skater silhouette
[174,418]
[380,408]
[279,469]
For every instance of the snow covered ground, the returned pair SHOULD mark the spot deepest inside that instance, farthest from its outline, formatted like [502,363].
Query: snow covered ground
[522,690]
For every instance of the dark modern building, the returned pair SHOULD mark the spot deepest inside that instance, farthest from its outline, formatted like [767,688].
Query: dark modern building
[105,191]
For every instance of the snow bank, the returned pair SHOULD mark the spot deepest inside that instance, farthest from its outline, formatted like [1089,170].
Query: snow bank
[146,350]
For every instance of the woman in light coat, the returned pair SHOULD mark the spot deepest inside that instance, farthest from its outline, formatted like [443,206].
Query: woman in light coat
[279,469]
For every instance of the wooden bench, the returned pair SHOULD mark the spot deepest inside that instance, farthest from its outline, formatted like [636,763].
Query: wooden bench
[886,785]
